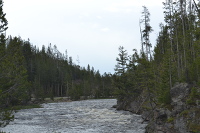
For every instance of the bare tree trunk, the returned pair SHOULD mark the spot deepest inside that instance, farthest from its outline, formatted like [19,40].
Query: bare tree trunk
[67,91]
[183,25]
[178,56]
[196,7]
[171,43]
[141,38]
[61,89]
[58,90]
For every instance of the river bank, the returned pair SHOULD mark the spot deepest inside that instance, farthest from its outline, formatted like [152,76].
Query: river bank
[182,115]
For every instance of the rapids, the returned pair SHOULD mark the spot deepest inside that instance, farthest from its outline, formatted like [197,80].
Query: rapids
[88,116]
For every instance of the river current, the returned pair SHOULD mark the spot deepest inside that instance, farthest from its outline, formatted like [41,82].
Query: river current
[88,116]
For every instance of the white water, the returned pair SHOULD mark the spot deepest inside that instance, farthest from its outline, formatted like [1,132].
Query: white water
[89,116]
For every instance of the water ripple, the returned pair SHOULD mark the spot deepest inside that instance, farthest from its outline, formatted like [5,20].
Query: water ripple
[89,116]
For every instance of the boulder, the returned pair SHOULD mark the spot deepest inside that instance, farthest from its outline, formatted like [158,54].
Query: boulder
[179,94]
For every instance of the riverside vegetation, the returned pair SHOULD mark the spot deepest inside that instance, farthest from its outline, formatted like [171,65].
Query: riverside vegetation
[27,72]
[161,84]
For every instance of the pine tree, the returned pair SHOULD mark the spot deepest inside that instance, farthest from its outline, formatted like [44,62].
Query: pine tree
[17,89]
[120,78]
[3,28]
[5,116]
[146,32]
[121,66]
[4,22]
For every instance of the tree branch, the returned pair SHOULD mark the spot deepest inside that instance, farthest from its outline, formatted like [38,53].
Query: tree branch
[196,7]
[11,88]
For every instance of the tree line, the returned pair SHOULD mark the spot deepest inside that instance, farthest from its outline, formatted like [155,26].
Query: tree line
[26,70]
[175,57]
[45,73]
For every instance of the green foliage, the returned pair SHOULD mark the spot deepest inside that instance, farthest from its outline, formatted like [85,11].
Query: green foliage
[170,119]
[5,117]
[16,90]
[137,78]
[52,75]
[29,106]
[26,71]
[190,102]
[195,93]
[9,70]
[194,127]
[121,66]
[76,91]
[4,22]
[175,58]
[145,35]
[119,79]
[184,113]
[194,96]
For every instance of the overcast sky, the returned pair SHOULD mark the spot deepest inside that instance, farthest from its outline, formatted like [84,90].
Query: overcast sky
[90,29]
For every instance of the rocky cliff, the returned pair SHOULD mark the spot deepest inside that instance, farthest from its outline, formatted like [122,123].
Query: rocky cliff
[182,115]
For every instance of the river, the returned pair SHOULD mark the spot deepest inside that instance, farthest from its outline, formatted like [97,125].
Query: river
[88,116]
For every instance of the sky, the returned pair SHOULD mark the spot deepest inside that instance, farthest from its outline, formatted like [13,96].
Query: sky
[90,30]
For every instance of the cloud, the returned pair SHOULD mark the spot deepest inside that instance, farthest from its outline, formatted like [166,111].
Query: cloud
[95,25]
[129,10]
[118,10]
[84,15]
[105,29]
[135,3]
[99,17]
[128,6]
[83,27]
[112,9]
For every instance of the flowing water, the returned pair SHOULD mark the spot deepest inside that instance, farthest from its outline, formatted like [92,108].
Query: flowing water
[88,116]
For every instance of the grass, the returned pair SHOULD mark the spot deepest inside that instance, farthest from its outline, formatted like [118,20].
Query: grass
[194,127]
[170,120]
[184,113]
[30,106]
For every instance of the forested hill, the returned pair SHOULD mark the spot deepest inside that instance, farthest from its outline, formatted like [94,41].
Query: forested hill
[45,73]
[27,71]
[163,84]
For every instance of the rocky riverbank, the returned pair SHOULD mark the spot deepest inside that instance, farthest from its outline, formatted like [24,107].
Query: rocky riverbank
[49,100]
[182,115]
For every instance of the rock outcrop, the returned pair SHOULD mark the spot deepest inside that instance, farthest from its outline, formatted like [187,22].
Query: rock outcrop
[181,116]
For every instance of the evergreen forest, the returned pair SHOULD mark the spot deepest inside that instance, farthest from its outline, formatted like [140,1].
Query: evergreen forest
[152,71]
[27,71]
[175,57]
[147,81]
